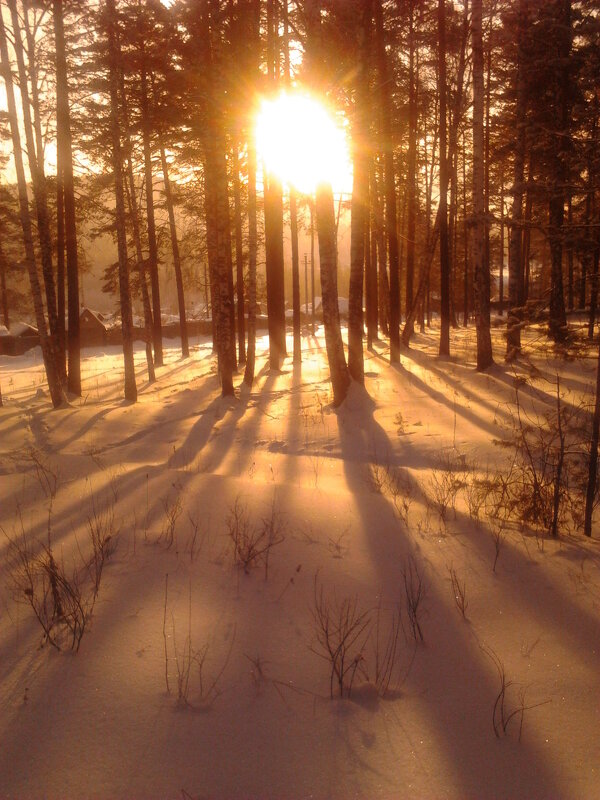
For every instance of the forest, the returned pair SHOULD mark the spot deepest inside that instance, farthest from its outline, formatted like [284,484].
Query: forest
[299,398]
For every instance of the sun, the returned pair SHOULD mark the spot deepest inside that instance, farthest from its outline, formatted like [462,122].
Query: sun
[300,142]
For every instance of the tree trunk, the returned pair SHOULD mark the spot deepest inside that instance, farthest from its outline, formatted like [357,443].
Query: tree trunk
[48,346]
[340,378]
[557,328]
[60,273]
[501,268]
[152,246]
[137,238]
[412,164]
[360,196]
[124,291]
[185,346]
[390,186]
[590,495]
[64,146]
[295,277]
[3,292]
[515,270]
[239,260]
[253,19]
[38,178]
[312,266]
[481,267]
[273,203]
[443,207]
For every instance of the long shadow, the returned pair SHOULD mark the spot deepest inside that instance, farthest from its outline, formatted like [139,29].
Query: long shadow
[444,400]
[453,664]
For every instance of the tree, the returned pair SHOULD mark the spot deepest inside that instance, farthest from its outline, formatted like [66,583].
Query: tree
[360,195]
[117,160]
[390,185]
[481,268]
[48,347]
[443,206]
[515,245]
[67,192]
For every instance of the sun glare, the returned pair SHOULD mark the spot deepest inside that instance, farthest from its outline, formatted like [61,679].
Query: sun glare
[303,144]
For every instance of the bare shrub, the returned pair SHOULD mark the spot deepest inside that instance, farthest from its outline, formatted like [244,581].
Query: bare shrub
[459,592]
[173,508]
[357,644]
[414,593]
[385,634]
[46,471]
[252,543]
[545,484]
[196,544]
[498,540]
[341,632]
[395,482]
[194,687]
[505,709]
[447,479]
[61,599]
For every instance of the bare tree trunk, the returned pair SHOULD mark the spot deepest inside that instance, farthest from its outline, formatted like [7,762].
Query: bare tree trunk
[524,279]
[360,196]
[312,266]
[252,248]
[185,345]
[226,341]
[340,377]
[465,239]
[239,261]
[515,248]
[444,256]
[115,129]
[557,328]
[390,186]
[383,283]
[152,246]
[253,20]
[3,292]
[481,269]
[590,494]
[412,163]
[501,268]
[60,273]
[64,146]
[137,238]
[46,342]
[38,178]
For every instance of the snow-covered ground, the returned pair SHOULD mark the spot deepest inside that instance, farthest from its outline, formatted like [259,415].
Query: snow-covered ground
[254,718]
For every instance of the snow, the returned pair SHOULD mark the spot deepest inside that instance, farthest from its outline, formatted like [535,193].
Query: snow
[100,723]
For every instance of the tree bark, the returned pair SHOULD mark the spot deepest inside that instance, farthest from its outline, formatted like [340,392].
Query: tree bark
[239,260]
[115,130]
[360,196]
[590,494]
[444,349]
[254,37]
[185,345]
[412,163]
[150,221]
[340,377]
[390,186]
[38,178]
[481,269]
[64,146]
[47,345]
[515,248]
[3,292]
[137,238]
